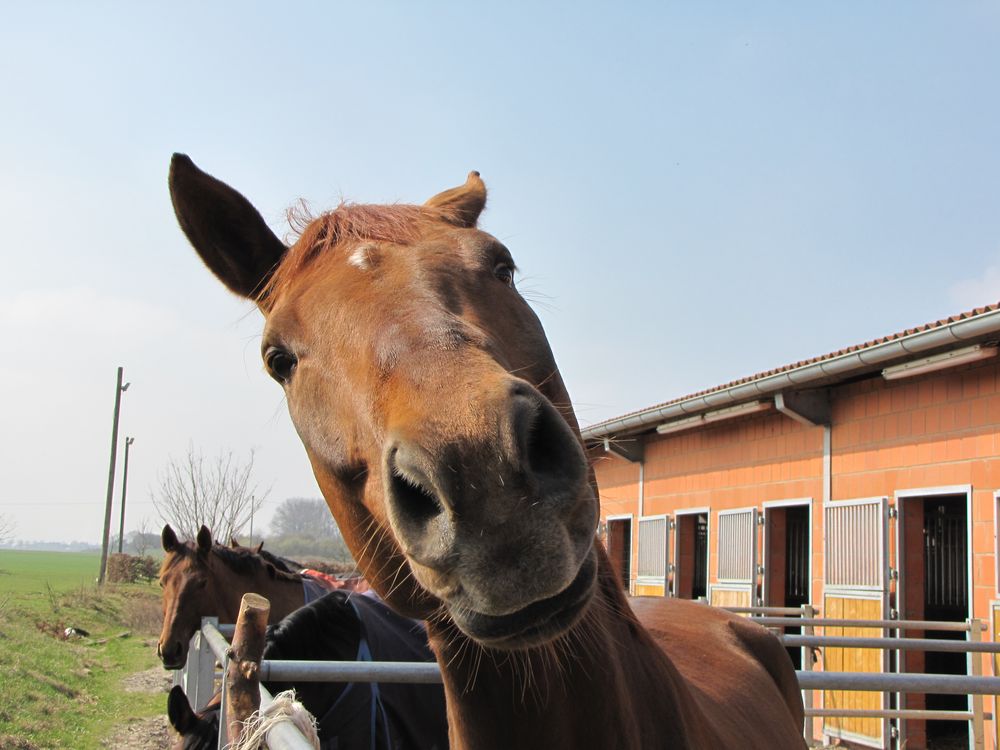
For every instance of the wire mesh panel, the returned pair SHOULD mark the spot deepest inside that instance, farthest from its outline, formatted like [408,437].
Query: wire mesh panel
[653,548]
[737,545]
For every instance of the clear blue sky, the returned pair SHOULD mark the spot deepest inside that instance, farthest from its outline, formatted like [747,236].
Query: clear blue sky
[694,191]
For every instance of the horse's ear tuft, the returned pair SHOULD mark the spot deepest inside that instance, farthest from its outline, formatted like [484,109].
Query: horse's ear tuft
[462,205]
[179,710]
[204,540]
[169,539]
[229,234]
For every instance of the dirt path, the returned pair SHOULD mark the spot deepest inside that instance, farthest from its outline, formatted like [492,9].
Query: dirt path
[144,734]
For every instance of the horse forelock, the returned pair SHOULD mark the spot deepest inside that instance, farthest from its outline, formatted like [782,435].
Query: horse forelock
[312,236]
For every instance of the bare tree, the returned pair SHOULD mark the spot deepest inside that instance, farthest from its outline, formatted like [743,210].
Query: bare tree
[144,537]
[218,493]
[7,527]
[303,516]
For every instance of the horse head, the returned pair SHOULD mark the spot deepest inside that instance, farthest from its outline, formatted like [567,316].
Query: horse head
[188,593]
[428,401]
[197,731]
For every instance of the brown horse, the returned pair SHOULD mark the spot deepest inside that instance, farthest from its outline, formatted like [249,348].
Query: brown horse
[443,439]
[203,579]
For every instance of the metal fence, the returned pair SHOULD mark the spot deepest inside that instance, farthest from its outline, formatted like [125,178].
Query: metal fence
[973,683]
[209,647]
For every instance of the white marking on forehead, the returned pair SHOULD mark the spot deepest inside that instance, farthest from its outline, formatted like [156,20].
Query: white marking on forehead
[360,257]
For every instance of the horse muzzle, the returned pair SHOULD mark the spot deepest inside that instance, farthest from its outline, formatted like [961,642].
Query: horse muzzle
[498,525]
[172,657]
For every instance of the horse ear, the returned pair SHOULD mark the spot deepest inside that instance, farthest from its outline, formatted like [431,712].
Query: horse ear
[169,539]
[234,543]
[462,205]
[179,710]
[204,540]
[259,548]
[227,231]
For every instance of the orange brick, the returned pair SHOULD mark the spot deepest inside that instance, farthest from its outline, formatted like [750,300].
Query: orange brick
[939,389]
[970,384]
[953,387]
[932,420]
[986,445]
[925,394]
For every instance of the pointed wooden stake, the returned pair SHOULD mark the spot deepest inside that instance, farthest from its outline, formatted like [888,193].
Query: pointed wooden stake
[243,674]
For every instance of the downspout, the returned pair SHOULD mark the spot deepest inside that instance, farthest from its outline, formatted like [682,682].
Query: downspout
[827,465]
[642,489]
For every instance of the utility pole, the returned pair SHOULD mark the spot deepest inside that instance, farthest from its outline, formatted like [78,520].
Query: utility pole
[119,390]
[250,543]
[121,525]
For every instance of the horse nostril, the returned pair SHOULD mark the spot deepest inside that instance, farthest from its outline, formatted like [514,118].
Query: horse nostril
[412,495]
[414,500]
[548,449]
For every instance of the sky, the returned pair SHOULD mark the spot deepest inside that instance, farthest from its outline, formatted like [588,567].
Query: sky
[694,192]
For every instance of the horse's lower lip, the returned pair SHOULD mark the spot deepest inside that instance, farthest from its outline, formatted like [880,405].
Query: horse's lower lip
[538,622]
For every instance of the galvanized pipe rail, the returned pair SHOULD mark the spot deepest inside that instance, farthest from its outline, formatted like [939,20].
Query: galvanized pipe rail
[901,644]
[884,682]
[285,737]
[823,622]
[780,618]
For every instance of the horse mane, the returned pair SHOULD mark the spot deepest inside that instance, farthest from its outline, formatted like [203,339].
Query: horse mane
[281,563]
[245,561]
[242,561]
[311,236]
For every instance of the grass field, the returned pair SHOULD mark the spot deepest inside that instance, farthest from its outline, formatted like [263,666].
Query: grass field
[33,572]
[59,693]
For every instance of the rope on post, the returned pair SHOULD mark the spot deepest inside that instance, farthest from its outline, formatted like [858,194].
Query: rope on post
[284,708]
[243,673]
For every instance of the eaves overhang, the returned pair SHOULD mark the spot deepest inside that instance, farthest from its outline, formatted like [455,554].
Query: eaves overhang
[980,324]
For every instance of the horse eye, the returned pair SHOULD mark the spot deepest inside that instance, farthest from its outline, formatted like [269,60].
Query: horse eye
[280,364]
[504,273]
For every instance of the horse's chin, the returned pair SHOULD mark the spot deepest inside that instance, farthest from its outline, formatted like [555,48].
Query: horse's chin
[536,624]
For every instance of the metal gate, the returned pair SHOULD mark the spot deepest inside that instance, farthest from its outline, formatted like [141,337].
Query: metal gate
[855,572]
[944,540]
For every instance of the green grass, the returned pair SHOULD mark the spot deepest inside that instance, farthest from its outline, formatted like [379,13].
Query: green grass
[30,572]
[59,693]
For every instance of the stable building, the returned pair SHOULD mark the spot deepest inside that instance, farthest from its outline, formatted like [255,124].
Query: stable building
[864,482]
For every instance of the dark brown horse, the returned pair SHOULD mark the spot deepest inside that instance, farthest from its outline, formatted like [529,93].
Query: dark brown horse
[342,626]
[443,439]
[203,579]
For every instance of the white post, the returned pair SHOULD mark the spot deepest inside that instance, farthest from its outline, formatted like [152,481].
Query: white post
[808,613]
[976,669]
[199,678]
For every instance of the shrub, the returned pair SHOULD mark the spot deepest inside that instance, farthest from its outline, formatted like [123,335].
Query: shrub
[131,568]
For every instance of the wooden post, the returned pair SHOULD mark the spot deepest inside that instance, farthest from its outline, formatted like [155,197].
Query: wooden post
[243,672]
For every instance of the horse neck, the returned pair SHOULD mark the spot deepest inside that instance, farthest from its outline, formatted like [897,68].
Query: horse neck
[599,686]
[285,594]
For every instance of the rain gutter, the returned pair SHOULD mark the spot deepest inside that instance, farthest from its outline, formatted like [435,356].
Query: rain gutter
[808,375]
